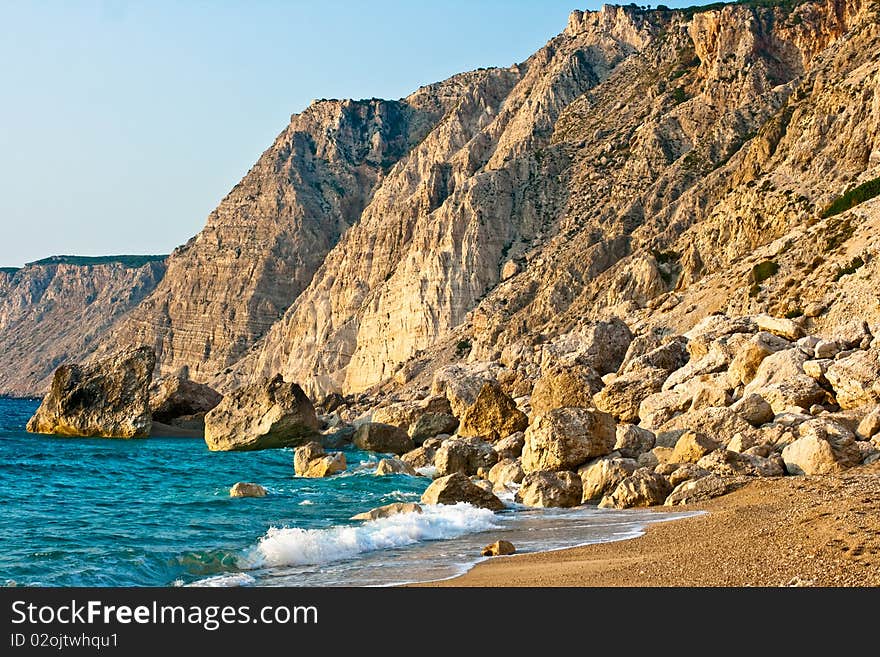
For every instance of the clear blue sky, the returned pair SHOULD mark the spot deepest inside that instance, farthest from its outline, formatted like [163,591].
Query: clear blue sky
[122,124]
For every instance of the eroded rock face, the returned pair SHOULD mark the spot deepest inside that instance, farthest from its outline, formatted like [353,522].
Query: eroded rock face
[456,488]
[565,438]
[108,398]
[548,489]
[262,416]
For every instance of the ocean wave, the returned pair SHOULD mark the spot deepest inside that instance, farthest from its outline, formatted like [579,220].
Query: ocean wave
[234,579]
[298,547]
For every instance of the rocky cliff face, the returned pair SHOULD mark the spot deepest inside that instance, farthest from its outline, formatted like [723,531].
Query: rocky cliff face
[56,310]
[641,165]
[634,158]
[260,248]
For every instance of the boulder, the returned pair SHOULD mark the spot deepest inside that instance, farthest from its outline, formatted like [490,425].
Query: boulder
[420,457]
[510,447]
[685,472]
[498,548]
[493,415]
[641,488]
[311,461]
[456,488]
[337,437]
[432,424]
[705,390]
[505,472]
[855,379]
[816,369]
[659,408]
[726,462]
[778,367]
[405,414]
[668,357]
[722,424]
[716,360]
[750,355]
[565,438]
[601,345]
[461,384]
[870,424]
[601,476]
[262,416]
[562,386]
[713,327]
[383,438]
[823,447]
[632,440]
[485,484]
[108,398]
[394,466]
[699,490]
[388,510]
[177,396]
[622,397]
[800,391]
[245,489]
[779,326]
[544,488]
[754,409]
[333,402]
[464,455]
[692,446]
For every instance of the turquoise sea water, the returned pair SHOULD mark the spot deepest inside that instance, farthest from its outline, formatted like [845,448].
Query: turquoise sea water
[157,512]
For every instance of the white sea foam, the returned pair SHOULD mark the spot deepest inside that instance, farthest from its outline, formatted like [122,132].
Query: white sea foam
[295,547]
[427,471]
[234,579]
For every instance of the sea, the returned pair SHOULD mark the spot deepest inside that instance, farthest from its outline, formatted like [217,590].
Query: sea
[157,512]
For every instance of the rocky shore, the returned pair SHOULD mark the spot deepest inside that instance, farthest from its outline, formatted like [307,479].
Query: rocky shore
[612,419]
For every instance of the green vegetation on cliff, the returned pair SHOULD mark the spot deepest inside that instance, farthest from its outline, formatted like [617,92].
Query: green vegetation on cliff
[130,261]
[864,192]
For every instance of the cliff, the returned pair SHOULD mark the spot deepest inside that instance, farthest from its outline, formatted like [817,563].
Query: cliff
[55,310]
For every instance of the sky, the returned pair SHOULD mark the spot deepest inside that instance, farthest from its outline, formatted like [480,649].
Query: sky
[123,124]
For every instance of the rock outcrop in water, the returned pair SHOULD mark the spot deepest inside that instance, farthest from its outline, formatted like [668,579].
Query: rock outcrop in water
[261,416]
[109,398]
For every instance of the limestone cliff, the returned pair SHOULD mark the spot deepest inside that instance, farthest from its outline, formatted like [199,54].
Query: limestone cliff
[644,164]
[55,310]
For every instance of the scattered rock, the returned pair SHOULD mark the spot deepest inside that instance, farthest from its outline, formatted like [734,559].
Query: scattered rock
[855,379]
[461,385]
[464,455]
[754,409]
[622,397]
[510,447]
[726,462]
[393,509]
[722,424]
[493,415]
[262,416]
[565,438]
[641,488]
[632,440]
[394,466]
[750,355]
[544,488]
[668,357]
[870,425]
[109,398]
[784,328]
[245,489]
[564,386]
[692,446]
[601,476]
[383,438]
[432,424]
[420,457]
[685,472]
[498,548]
[657,409]
[311,461]
[823,447]
[456,488]
[698,490]
[505,472]
[405,414]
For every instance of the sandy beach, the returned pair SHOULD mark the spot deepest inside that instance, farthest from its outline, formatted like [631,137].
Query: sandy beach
[793,531]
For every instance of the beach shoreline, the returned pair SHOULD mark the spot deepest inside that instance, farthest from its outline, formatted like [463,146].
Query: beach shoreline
[790,531]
